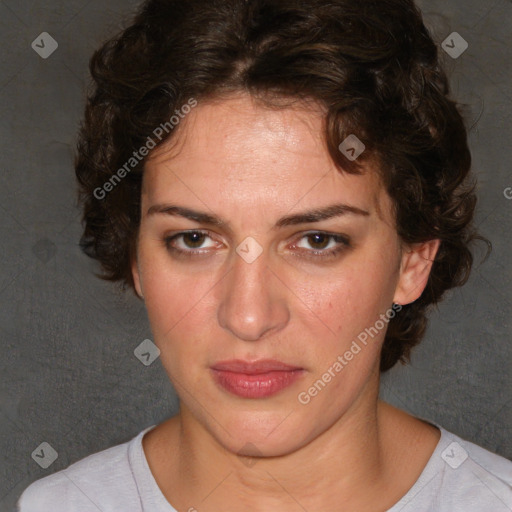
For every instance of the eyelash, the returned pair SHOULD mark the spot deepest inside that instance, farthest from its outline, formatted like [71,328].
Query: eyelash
[342,241]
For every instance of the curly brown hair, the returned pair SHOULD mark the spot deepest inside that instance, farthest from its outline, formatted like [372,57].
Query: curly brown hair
[371,64]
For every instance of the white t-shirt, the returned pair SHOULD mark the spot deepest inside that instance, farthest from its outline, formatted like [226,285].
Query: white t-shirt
[459,477]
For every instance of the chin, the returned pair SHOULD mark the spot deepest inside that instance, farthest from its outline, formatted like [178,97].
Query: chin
[261,434]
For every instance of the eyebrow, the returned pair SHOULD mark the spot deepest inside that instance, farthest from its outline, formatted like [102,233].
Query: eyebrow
[315,215]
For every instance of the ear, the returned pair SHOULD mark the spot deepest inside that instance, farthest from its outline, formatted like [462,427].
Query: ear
[137,281]
[415,267]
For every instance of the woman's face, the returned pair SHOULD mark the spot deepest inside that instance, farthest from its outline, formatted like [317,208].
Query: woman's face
[269,280]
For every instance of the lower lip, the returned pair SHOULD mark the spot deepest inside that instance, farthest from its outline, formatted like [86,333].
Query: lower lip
[261,385]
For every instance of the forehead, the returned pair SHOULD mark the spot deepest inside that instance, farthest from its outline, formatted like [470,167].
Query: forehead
[238,130]
[266,154]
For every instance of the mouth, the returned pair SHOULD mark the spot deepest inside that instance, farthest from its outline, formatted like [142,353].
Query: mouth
[258,379]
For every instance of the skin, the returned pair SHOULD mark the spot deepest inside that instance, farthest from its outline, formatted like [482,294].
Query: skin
[344,450]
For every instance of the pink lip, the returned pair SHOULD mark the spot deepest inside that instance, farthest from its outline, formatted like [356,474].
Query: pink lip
[258,379]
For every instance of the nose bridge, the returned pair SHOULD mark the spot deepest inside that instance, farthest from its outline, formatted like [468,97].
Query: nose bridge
[252,303]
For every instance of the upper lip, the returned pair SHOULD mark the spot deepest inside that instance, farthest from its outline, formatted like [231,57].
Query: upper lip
[254,367]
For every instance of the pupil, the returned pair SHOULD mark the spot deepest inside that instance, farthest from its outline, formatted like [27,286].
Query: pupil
[195,238]
[321,237]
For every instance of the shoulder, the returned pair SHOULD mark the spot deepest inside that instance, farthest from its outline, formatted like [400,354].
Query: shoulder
[461,476]
[467,463]
[101,481]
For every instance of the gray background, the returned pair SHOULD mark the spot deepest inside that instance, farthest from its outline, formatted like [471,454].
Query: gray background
[68,375]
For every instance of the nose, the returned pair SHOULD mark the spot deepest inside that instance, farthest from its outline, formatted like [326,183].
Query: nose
[253,301]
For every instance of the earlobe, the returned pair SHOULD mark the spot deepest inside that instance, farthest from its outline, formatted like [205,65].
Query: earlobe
[415,267]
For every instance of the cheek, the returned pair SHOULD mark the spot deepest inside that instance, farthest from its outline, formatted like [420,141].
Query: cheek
[346,308]
[178,312]
[348,300]
[174,298]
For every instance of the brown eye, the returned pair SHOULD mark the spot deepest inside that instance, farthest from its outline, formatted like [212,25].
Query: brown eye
[322,245]
[186,241]
[318,240]
[194,239]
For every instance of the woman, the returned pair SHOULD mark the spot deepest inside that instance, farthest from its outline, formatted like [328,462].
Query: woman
[287,187]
